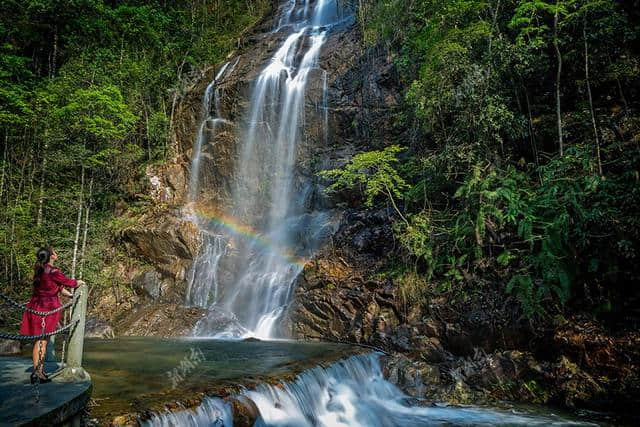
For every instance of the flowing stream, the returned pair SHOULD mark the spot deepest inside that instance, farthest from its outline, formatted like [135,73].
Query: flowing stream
[351,392]
[271,227]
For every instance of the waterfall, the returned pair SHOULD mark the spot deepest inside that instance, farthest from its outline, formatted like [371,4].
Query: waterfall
[353,392]
[203,286]
[271,226]
[204,128]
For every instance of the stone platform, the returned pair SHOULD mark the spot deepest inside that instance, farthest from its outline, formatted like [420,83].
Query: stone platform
[61,400]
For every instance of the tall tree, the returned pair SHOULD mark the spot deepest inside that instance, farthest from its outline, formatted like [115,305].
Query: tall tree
[530,19]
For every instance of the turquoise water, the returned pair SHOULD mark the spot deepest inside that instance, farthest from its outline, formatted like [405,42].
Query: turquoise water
[130,374]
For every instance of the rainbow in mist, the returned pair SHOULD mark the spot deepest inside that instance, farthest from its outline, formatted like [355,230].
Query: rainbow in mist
[236,228]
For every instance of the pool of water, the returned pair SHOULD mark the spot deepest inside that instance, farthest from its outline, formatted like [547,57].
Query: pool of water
[292,384]
[130,367]
[132,374]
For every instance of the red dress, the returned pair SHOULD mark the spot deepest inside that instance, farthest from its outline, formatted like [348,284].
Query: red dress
[45,298]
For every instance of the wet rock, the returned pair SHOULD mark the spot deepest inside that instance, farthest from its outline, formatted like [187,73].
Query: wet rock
[402,338]
[126,420]
[95,327]
[170,243]
[167,183]
[430,349]
[417,379]
[164,320]
[163,242]
[152,284]
[8,347]
[576,387]
[245,412]
[432,328]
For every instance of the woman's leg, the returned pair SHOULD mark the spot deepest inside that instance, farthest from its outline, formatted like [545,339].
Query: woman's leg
[39,351]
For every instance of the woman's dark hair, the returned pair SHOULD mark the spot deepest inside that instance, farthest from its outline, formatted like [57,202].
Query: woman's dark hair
[42,258]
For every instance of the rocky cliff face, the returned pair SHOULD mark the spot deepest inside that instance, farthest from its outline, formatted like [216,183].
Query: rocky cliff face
[472,351]
[454,351]
[361,90]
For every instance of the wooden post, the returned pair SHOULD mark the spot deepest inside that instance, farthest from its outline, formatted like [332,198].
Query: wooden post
[73,369]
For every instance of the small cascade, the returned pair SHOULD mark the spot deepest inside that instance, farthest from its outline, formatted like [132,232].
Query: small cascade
[208,123]
[271,226]
[203,286]
[212,412]
[353,392]
[325,108]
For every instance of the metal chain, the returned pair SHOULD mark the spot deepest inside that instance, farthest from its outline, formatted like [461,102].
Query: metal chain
[37,313]
[35,337]
[38,367]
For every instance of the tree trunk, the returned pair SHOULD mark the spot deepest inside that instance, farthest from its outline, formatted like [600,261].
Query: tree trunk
[78,222]
[593,114]
[173,108]
[532,131]
[55,51]
[41,196]
[34,167]
[86,227]
[146,119]
[4,163]
[558,77]
[13,218]
[393,202]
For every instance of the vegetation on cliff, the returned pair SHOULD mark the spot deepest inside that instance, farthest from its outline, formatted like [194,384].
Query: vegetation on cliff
[88,89]
[521,128]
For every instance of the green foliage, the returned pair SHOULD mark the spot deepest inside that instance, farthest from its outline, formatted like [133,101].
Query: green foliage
[488,199]
[98,113]
[535,229]
[374,170]
[89,85]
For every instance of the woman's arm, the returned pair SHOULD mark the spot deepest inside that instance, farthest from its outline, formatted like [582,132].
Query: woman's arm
[63,280]
[65,292]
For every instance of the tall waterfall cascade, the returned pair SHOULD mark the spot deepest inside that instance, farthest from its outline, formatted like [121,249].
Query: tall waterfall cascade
[271,227]
[351,392]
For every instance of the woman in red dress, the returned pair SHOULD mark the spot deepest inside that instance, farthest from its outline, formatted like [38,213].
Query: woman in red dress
[48,282]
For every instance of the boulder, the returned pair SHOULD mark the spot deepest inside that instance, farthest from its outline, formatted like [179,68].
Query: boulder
[152,284]
[170,242]
[244,410]
[95,327]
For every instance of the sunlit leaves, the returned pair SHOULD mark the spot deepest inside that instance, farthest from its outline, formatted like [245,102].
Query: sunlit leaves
[374,170]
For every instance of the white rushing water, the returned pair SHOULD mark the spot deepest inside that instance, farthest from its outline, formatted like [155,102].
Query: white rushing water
[208,124]
[270,226]
[211,412]
[351,392]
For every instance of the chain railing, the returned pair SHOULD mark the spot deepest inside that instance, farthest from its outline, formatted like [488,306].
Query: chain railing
[17,337]
[75,329]
[24,307]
